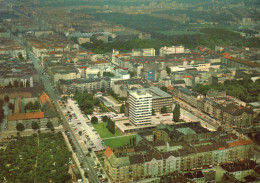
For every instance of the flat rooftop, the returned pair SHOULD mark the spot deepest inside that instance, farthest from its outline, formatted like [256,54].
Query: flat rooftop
[126,126]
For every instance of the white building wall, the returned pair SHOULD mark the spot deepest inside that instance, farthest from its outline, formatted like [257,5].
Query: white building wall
[140,107]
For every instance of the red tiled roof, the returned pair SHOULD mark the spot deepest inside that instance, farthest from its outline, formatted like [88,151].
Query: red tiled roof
[23,116]
[239,60]
[187,77]
[240,143]
[170,87]
[45,98]
[108,152]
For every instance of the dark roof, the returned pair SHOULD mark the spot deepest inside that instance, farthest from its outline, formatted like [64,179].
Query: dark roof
[194,175]
[136,159]
[179,82]
[235,110]
[240,166]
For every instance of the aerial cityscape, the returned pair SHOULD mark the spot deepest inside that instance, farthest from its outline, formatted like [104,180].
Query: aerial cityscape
[119,91]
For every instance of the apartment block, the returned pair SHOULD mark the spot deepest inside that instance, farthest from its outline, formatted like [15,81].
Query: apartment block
[181,147]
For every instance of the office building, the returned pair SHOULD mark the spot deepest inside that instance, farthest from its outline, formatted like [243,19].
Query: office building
[140,107]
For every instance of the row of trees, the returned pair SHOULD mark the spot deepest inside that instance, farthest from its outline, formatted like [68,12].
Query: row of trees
[245,90]
[35,126]
[33,106]
[176,112]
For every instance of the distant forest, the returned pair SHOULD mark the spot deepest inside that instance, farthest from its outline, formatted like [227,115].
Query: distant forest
[139,2]
[210,38]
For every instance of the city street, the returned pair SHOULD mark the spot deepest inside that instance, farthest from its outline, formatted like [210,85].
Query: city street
[55,97]
[189,113]
[87,162]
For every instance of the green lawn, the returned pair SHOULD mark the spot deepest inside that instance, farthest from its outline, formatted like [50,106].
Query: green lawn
[118,142]
[104,132]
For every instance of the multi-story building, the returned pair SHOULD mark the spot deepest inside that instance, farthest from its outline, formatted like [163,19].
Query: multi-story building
[160,98]
[240,171]
[238,116]
[216,104]
[171,50]
[180,147]
[91,84]
[143,52]
[140,107]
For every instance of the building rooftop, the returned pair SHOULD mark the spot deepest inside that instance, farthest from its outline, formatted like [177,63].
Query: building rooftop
[240,166]
[25,116]
[156,93]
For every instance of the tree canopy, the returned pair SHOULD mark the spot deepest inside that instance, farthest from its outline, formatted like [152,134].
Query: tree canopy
[246,90]
[105,118]
[19,158]
[33,105]
[94,120]
[35,125]
[49,125]
[176,113]
[164,109]
[168,70]
[122,108]
[20,127]
[111,126]
[6,98]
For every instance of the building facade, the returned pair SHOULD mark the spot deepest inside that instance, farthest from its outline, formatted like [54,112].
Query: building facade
[169,150]
[140,107]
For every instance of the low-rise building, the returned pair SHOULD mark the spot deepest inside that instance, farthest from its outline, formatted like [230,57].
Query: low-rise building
[47,114]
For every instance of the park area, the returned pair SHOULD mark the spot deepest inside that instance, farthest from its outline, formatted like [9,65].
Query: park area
[112,140]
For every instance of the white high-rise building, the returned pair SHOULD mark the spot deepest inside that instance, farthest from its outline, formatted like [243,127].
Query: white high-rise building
[140,107]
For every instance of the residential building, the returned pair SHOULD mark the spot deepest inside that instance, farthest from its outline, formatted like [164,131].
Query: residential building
[242,171]
[45,115]
[90,84]
[169,149]
[143,52]
[171,50]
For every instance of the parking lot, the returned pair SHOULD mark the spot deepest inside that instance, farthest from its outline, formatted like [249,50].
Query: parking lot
[81,125]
